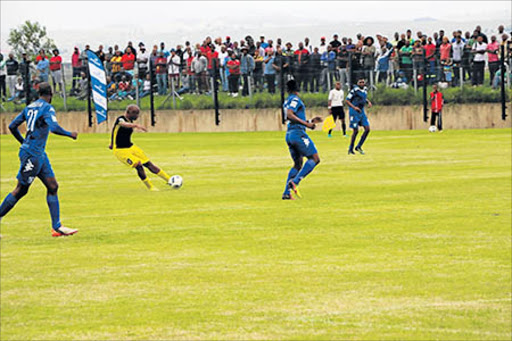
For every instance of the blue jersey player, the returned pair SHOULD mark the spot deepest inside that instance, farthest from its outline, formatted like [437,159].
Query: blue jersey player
[356,100]
[40,119]
[299,143]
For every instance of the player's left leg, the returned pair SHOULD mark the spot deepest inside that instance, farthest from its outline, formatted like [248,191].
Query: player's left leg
[12,198]
[440,121]
[52,200]
[156,170]
[47,176]
[297,165]
[308,149]
[359,146]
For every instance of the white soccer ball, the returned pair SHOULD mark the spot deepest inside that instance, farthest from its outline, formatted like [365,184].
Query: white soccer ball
[176,181]
[432,129]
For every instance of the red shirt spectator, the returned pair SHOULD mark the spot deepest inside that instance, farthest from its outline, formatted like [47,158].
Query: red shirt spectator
[445,49]
[75,58]
[161,65]
[123,85]
[492,47]
[299,53]
[211,56]
[236,69]
[430,51]
[205,49]
[189,65]
[128,61]
[437,101]
[55,63]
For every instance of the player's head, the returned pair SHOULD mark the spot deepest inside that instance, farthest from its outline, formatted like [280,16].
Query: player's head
[132,112]
[361,82]
[434,87]
[338,85]
[45,91]
[291,86]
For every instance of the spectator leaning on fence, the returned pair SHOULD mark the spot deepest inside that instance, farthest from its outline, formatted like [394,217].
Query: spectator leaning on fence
[56,71]
[173,69]
[11,66]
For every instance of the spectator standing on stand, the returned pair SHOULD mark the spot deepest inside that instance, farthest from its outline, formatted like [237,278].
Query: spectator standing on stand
[246,68]
[493,50]
[142,61]
[234,75]
[258,69]
[270,72]
[479,49]
[76,64]
[161,73]
[11,66]
[173,68]
[368,53]
[56,70]
[457,55]
[315,69]
[43,67]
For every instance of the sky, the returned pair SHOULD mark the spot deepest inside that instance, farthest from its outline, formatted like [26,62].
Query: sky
[73,22]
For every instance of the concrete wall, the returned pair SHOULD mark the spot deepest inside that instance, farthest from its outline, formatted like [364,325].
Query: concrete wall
[466,116]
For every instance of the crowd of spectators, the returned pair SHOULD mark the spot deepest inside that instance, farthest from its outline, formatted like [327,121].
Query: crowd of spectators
[256,66]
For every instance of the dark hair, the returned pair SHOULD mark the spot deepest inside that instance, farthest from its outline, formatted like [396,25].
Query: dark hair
[45,89]
[291,86]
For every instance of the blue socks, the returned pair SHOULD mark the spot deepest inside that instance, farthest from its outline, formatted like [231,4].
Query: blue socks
[291,174]
[8,203]
[306,169]
[53,205]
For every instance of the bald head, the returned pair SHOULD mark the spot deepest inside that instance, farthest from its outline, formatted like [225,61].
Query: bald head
[132,112]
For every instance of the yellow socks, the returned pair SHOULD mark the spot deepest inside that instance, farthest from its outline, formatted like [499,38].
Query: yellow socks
[148,183]
[163,175]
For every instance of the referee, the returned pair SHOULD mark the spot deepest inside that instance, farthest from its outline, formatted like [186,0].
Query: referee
[335,105]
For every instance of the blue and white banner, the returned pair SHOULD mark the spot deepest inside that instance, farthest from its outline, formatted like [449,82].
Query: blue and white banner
[98,86]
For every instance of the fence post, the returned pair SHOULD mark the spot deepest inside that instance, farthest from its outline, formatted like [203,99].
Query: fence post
[137,95]
[64,95]
[173,93]
[415,76]
[461,76]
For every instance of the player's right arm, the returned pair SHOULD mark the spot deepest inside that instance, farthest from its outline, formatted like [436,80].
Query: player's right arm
[51,121]
[349,103]
[125,124]
[13,126]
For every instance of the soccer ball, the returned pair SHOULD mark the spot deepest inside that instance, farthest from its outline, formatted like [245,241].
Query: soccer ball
[432,129]
[176,181]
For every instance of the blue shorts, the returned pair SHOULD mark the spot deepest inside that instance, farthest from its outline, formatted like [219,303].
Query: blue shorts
[33,166]
[358,119]
[300,145]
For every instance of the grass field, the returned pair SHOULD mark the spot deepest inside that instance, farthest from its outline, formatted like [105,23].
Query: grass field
[411,241]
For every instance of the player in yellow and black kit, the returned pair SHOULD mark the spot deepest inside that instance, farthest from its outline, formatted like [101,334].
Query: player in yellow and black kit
[127,152]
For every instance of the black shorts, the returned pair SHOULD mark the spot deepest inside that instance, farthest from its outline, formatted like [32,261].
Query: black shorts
[338,112]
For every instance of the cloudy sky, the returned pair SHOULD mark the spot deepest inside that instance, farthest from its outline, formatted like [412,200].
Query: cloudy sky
[72,22]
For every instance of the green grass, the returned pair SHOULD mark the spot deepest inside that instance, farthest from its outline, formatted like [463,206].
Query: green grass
[411,241]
